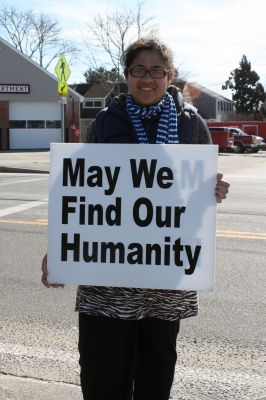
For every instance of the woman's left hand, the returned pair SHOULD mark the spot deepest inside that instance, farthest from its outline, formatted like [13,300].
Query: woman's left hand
[221,189]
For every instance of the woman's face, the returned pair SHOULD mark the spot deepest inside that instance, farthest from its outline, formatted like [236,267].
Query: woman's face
[147,90]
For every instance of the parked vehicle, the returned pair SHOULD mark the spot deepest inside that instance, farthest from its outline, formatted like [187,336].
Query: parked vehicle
[257,128]
[242,141]
[246,142]
[223,138]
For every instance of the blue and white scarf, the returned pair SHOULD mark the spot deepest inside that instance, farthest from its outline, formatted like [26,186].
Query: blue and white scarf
[167,131]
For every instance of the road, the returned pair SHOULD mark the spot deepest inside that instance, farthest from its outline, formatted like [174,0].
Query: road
[220,353]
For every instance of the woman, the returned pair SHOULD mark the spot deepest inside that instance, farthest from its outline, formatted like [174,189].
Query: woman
[127,336]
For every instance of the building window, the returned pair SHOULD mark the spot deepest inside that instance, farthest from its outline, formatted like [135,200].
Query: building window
[93,103]
[35,124]
[98,103]
[17,124]
[53,124]
[88,104]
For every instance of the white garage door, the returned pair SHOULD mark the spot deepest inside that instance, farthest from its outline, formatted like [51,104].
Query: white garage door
[34,125]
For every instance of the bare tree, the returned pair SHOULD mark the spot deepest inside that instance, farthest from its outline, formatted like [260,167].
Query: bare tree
[16,25]
[111,33]
[36,35]
[142,23]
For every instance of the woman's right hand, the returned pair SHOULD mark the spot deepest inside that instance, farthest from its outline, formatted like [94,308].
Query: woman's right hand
[45,275]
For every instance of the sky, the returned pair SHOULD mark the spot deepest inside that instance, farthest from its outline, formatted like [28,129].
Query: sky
[208,37]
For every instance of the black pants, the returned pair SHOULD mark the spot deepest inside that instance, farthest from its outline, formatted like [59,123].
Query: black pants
[119,357]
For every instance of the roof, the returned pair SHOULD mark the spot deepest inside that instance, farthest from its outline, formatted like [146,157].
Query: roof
[43,70]
[95,90]
[100,89]
[80,88]
[196,90]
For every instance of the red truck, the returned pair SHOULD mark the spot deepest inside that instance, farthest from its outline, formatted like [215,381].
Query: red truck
[243,142]
[257,128]
[223,138]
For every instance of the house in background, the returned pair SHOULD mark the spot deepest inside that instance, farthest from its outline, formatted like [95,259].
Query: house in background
[96,97]
[30,112]
[210,105]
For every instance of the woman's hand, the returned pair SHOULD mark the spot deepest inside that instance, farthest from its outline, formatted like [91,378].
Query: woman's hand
[221,189]
[45,275]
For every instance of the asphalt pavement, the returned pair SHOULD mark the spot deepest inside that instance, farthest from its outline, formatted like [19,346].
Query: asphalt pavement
[25,388]
[208,363]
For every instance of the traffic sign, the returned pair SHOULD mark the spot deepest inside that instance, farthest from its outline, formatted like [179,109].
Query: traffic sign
[62,69]
[62,88]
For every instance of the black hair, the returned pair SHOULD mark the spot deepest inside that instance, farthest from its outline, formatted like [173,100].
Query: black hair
[151,44]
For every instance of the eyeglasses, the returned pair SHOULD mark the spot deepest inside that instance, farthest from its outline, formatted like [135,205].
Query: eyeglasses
[142,72]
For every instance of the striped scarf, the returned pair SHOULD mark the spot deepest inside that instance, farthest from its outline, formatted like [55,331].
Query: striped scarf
[167,131]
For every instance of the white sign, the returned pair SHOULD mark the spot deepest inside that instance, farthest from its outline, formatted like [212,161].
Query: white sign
[14,88]
[131,215]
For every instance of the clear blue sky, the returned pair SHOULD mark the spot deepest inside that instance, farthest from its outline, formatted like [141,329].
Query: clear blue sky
[208,37]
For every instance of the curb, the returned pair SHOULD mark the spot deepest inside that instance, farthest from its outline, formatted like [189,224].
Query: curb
[22,170]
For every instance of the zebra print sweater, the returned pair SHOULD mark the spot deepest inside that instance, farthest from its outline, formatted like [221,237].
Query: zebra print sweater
[132,303]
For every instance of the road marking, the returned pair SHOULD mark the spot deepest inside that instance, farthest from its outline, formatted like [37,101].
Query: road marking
[227,234]
[21,181]
[229,377]
[21,222]
[23,355]
[22,207]
[36,352]
[242,235]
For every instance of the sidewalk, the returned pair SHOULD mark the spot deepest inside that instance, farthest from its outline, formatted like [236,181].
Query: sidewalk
[17,388]
[31,161]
